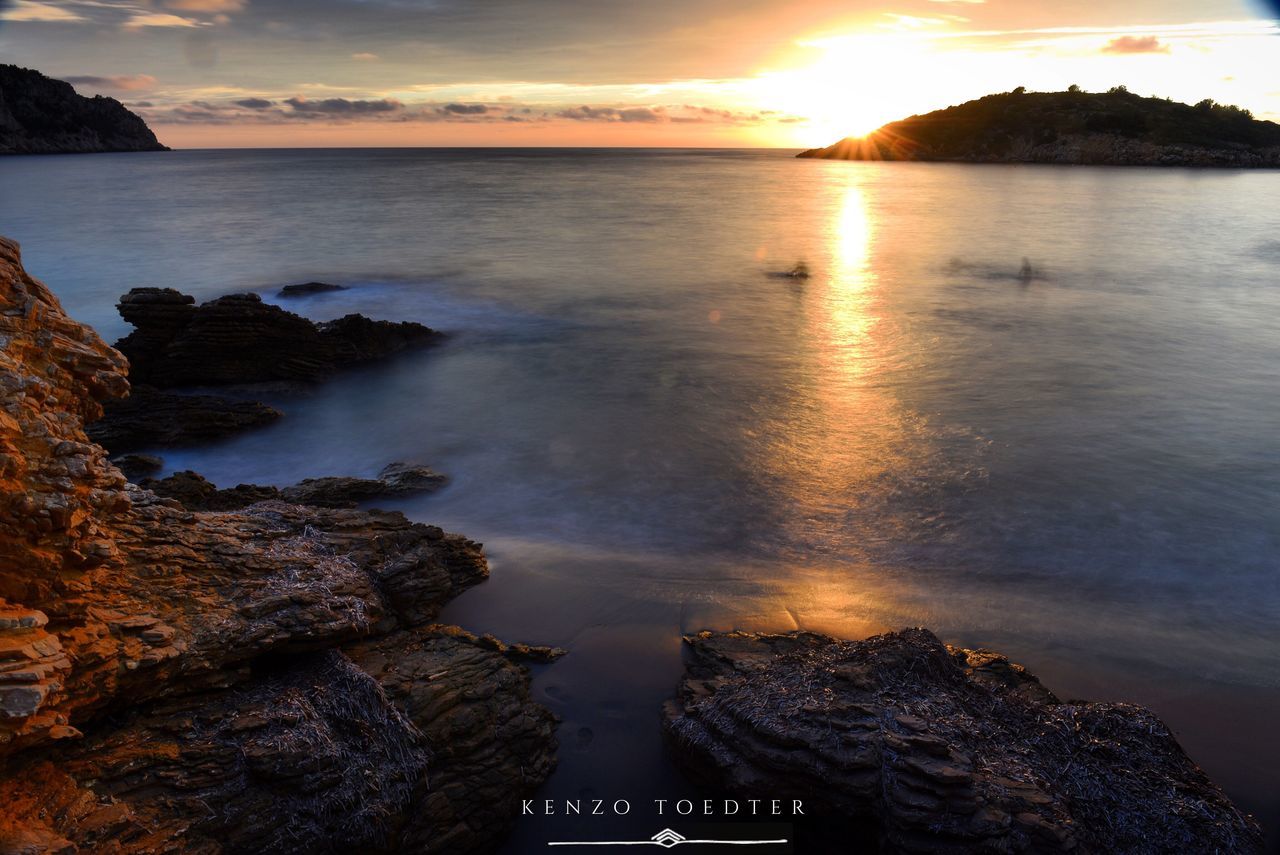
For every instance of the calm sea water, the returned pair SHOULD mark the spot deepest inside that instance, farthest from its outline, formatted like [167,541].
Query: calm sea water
[653,435]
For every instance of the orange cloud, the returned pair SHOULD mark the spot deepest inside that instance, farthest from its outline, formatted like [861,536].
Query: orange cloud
[206,5]
[1135,44]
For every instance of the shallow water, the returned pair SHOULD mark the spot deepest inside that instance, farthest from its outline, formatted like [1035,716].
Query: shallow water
[654,435]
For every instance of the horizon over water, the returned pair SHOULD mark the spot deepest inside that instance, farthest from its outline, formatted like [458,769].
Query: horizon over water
[653,432]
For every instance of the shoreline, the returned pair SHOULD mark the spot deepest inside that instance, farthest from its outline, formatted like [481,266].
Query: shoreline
[380,648]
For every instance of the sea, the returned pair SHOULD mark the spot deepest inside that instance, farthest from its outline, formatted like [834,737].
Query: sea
[1032,408]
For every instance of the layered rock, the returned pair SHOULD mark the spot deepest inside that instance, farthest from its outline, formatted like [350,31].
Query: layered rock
[196,493]
[192,682]
[40,115]
[150,418]
[940,750]
[238,339]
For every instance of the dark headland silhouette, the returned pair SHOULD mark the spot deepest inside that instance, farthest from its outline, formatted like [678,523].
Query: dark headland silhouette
[1105,128]
[40,115]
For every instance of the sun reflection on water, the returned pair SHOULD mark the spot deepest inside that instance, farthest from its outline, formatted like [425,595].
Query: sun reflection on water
[844,446]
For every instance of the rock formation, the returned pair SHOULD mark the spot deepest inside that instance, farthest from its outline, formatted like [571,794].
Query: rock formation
[1116,128]
[40,115]
[940,750]
[195,493]
[149,418]
[238,339]
[234,341]
[262,680]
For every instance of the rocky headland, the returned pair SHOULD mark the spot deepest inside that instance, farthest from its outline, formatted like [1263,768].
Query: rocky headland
[40,115]
[264,679]
[1115,128]
[939,749]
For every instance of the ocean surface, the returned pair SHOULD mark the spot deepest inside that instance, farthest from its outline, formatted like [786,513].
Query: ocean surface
[654,432]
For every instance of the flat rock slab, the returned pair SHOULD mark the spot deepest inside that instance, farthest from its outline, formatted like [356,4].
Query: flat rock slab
[941,750]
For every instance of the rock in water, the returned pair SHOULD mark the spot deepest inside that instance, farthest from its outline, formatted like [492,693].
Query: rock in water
[150,417]
[40,115]
[260,680]
[397,479]
[195,493]
[307,288]
[942,750]
[238,339]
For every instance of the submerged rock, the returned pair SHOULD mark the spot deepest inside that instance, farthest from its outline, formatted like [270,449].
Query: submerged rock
[179,682]
[940,750]
[306,288]
[238,339]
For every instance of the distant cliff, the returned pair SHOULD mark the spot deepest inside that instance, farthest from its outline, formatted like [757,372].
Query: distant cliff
[40,115]
[1111,128]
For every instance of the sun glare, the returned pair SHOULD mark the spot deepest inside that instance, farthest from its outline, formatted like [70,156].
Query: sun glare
[856,84]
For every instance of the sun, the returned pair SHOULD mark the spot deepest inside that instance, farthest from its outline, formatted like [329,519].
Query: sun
[856,84]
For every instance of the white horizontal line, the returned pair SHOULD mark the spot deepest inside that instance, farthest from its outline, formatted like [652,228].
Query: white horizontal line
[657,843]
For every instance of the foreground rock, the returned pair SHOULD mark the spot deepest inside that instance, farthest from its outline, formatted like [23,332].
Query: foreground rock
[149,418]
[262,680]
[238,339]
[195,493]
[40,115]
[941,750]
[1115,128]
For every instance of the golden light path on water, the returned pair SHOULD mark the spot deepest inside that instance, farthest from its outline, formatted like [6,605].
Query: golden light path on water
[842,434]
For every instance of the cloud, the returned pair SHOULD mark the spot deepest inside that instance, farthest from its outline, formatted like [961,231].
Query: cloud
[123,82]
[25,10]
[913,22]
[143,20]
[1135,44]
[220,106]
[365,57]
[612,114]
[465,109]
[205,5]
[343,106]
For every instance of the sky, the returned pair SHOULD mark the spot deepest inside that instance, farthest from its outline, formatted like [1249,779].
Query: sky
[232,73]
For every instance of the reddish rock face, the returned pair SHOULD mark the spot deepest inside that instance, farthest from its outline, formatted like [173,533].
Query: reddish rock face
[155,661]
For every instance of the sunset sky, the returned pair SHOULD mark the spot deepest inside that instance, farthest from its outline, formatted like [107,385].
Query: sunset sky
[211,73]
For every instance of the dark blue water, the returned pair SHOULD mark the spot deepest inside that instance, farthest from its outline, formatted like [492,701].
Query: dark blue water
[653,435]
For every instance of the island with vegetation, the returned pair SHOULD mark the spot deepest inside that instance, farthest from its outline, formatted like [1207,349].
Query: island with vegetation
[40,115]
[1117,128]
